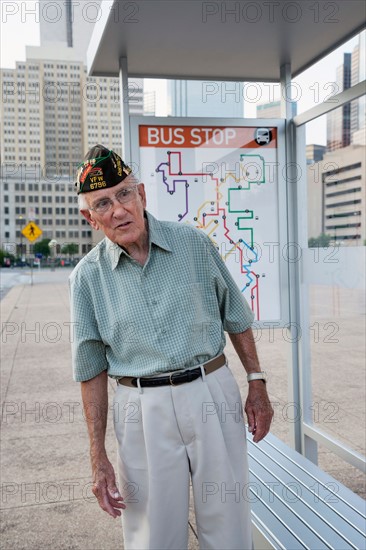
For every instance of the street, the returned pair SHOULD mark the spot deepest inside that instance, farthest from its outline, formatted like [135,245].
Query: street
[19,276]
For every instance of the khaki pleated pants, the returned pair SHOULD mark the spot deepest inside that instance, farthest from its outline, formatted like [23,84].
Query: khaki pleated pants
[165,436]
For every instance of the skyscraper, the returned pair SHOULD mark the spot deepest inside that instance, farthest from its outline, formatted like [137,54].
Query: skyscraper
[51,113]
[68,23]
[343,189]
[339,120]
[358,74]
[273,109]
[196,98]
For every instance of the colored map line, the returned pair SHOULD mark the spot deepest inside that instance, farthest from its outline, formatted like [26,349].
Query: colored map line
[245,155]
[254,296]
[245,268]
[231,191]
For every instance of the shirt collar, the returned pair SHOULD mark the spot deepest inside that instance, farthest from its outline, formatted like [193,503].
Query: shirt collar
[156,237]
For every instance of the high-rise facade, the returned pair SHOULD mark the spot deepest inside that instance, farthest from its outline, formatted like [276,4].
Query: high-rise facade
[344,195]
[51,113]
[68,23]
[273,109]
[339,120]
[196,98]
[314,153]
[50,202]
[358,74]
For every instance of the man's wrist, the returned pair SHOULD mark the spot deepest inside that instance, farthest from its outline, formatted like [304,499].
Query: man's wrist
[98,454]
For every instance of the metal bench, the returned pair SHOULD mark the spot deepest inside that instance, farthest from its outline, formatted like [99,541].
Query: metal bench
[295,505]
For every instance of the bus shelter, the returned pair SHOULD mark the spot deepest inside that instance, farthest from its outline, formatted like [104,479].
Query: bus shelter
[253,42]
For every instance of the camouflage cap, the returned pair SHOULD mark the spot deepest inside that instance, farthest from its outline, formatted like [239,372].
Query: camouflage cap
[101,169]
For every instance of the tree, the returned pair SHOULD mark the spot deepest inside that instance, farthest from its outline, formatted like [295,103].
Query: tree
[4,254]
[322,241]
[42,248]
[70,248]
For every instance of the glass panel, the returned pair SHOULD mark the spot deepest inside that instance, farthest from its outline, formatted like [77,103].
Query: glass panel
[339,70]
[335,157]
[273,352]
[334,280]
[345,473]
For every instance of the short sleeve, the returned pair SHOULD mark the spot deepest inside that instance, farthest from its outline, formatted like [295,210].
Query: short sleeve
[88,349]
[236,315]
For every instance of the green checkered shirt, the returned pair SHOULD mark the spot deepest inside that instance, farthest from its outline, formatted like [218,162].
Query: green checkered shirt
[169,314]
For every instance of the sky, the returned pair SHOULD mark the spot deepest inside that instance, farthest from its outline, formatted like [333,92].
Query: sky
[20,29]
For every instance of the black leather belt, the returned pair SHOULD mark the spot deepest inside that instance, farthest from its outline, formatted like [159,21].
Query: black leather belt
[177,377]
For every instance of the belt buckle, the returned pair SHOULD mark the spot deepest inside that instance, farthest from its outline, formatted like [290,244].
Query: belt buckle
[170,379]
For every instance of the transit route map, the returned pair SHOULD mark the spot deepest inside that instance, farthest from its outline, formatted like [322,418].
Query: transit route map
[223,181]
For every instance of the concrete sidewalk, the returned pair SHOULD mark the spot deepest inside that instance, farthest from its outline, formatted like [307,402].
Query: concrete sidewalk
[45,473]
[46,496]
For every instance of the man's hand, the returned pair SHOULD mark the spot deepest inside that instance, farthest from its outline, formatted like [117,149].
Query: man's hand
[259,410]
[105,489]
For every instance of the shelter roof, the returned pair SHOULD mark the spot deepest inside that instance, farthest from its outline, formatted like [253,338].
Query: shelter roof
[222,40]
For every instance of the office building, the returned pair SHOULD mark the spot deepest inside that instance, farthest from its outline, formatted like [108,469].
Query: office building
[149,103]
[339,120]
[196,98]
[314,153]
[314,157]
[68,23]
[51,114]
[344,195]
[358,74]
[51,203]
[273,109]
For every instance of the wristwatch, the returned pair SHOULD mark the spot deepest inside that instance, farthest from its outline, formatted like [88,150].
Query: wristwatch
[257,376]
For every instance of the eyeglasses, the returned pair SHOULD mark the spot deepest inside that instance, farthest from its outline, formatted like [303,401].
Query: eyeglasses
[123,196]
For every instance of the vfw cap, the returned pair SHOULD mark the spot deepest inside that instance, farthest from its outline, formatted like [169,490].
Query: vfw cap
[102,168]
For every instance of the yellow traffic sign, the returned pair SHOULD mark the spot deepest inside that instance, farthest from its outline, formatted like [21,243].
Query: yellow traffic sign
[31,231]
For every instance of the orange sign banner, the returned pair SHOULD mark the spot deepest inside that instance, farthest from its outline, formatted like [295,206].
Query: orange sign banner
[208,136]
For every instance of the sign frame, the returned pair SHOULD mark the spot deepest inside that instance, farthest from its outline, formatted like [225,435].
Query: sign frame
[282,189]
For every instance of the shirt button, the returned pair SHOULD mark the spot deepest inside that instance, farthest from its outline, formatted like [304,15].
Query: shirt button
[154,302]
[173,361]
[163,331]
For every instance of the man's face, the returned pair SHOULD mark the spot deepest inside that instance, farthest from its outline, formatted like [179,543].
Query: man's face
[123,224]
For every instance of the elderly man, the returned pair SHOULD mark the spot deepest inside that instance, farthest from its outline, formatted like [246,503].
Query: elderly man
[150,305]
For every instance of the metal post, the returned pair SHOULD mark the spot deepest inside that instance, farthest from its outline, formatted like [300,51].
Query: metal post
[293,267]
[309,447]
[21,241]
[125,114]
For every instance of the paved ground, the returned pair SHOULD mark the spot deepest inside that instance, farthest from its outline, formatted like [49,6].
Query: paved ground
[45,475]
[12,277]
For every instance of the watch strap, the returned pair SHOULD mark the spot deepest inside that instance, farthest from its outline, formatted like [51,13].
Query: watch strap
[257,376]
